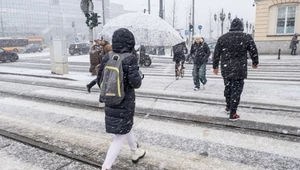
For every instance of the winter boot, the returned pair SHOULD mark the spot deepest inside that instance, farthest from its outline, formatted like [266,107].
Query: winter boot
[137,155]
[88,87]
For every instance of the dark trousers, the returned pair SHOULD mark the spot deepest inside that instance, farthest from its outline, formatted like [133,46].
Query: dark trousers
[232,93]
[92,83]
[293,52]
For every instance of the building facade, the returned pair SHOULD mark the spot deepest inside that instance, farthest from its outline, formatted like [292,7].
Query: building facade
[276,22]
[46,18]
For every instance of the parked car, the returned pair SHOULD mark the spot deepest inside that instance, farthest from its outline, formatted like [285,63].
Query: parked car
[79,48]
[32,48]
[5,56]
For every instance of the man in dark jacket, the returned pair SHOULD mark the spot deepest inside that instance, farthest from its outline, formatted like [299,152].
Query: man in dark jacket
[179,51]
[119,118]
[200,52]
[232,49]
[294,43]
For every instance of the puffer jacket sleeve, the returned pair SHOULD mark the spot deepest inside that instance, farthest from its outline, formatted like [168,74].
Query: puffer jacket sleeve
[207,51]
[192,49]
[217,54]
[252,50]
[134,78]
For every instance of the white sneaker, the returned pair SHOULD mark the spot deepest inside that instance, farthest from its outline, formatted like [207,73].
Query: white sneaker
[196,89]
[137,155]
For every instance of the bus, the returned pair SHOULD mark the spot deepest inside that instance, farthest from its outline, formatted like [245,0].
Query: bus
[37,40]
[13,44]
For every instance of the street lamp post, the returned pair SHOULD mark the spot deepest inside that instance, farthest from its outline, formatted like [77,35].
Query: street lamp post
[222,18]
[216,19]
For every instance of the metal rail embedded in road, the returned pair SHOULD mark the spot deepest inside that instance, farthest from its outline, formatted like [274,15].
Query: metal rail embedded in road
[265,128]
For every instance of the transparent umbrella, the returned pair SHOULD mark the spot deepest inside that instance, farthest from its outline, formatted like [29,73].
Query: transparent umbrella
[148,30]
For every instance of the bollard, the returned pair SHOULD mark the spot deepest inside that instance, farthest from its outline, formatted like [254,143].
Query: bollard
[279,53]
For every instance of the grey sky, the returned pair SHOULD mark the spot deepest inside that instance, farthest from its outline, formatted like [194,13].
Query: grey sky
[241,8]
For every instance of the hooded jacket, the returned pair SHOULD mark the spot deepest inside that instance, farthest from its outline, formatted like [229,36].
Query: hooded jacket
[119,118]
[232,49]
[200,53]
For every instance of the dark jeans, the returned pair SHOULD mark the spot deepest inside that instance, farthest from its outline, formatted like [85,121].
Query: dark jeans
[232,93]
[199,74]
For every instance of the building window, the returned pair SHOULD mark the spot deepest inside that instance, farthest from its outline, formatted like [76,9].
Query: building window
[286,20]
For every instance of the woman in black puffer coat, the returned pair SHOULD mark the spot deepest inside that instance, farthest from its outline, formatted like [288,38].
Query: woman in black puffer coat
[119,118]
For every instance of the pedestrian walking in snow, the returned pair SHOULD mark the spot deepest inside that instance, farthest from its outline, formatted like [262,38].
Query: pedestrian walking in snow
[232,49]
[104,48]
[200,53]
[119,117]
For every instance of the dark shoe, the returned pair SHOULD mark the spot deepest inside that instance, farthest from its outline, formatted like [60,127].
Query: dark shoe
[235,117]
[88,88]
[183,67]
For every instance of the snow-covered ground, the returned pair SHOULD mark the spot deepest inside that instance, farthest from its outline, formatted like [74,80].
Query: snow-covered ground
[169,144]
[179,145]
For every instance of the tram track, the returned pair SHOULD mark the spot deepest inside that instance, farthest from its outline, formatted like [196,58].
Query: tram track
[48,148]
[278,130]
[266,107]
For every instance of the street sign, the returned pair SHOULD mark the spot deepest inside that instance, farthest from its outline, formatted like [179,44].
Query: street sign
[86,6]
[186,32]
[200,27]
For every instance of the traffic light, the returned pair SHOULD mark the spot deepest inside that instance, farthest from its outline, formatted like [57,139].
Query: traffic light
[92,20]
[191,28]
[89,21]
